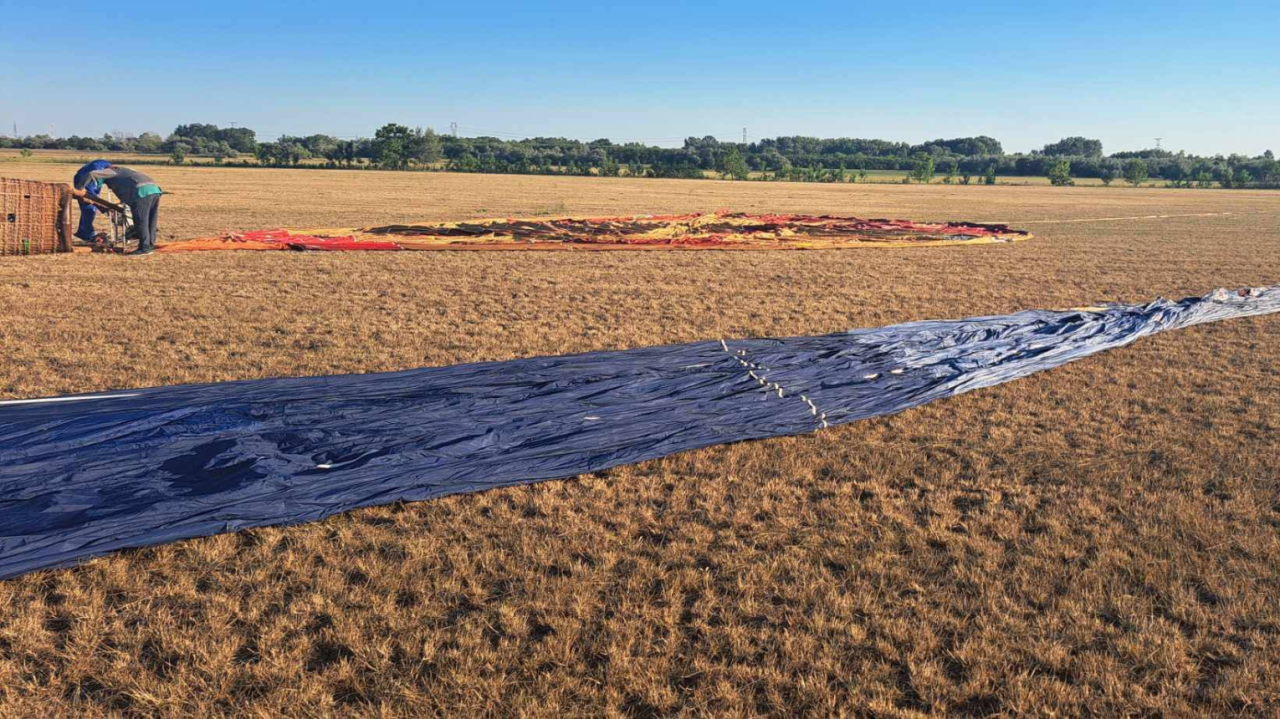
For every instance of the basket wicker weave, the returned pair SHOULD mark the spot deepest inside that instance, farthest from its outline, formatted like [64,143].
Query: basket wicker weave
[35,217]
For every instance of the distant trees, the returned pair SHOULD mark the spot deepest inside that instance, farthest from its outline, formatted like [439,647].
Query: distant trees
[1135,171]
[204,139]
[676,170]
[1227,177]
[397,146]
[794,158]
[345,153]
[1074,147]
[285,151]
[148,142]
[963,146]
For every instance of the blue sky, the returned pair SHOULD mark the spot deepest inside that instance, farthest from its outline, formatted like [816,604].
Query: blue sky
[1204,76]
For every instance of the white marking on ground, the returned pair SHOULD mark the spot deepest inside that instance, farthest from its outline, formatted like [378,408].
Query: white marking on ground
[1118,219]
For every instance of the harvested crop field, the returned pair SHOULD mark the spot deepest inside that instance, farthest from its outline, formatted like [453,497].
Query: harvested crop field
[1099,538]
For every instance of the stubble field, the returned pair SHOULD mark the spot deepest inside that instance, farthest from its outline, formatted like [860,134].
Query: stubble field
[1101,538]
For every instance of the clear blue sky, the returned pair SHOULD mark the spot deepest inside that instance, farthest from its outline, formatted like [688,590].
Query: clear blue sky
[1205,76]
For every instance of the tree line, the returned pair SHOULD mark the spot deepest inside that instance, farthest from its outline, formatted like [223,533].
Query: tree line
[793,158]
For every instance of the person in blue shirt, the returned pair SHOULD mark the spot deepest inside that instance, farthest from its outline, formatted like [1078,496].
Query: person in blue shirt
[88,212]
[138,191]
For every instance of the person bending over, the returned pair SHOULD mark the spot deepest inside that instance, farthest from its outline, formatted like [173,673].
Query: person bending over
[88,212]
[138,191]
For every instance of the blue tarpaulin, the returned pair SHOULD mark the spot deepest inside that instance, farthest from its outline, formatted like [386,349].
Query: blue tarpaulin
[88,474]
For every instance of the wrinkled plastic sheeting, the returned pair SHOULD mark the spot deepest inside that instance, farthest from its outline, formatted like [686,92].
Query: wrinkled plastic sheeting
[85,476]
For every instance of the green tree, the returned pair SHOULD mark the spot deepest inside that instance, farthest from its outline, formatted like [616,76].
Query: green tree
[1075,146]
[1107,175]
[391,146]
[240,139]
[465,163]
[179,154]
[149,142]
[953,168]
[1227,178]
[733,166]
[923,169]
[609,167]
[1136,172]
[432,149]
[294,152]
[221,151]
[344,153]
[990,177]
[1060,174]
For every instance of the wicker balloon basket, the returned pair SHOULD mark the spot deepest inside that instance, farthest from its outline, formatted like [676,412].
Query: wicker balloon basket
[35,217]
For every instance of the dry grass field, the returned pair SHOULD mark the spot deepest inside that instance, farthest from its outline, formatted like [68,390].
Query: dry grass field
[1100,539]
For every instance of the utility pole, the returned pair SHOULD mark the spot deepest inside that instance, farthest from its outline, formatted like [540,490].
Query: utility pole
[744,135]
[1158,139]
[233,125]
[453,129]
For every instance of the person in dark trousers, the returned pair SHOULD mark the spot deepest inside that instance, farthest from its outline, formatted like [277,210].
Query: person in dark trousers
[138,191]
[88,212]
